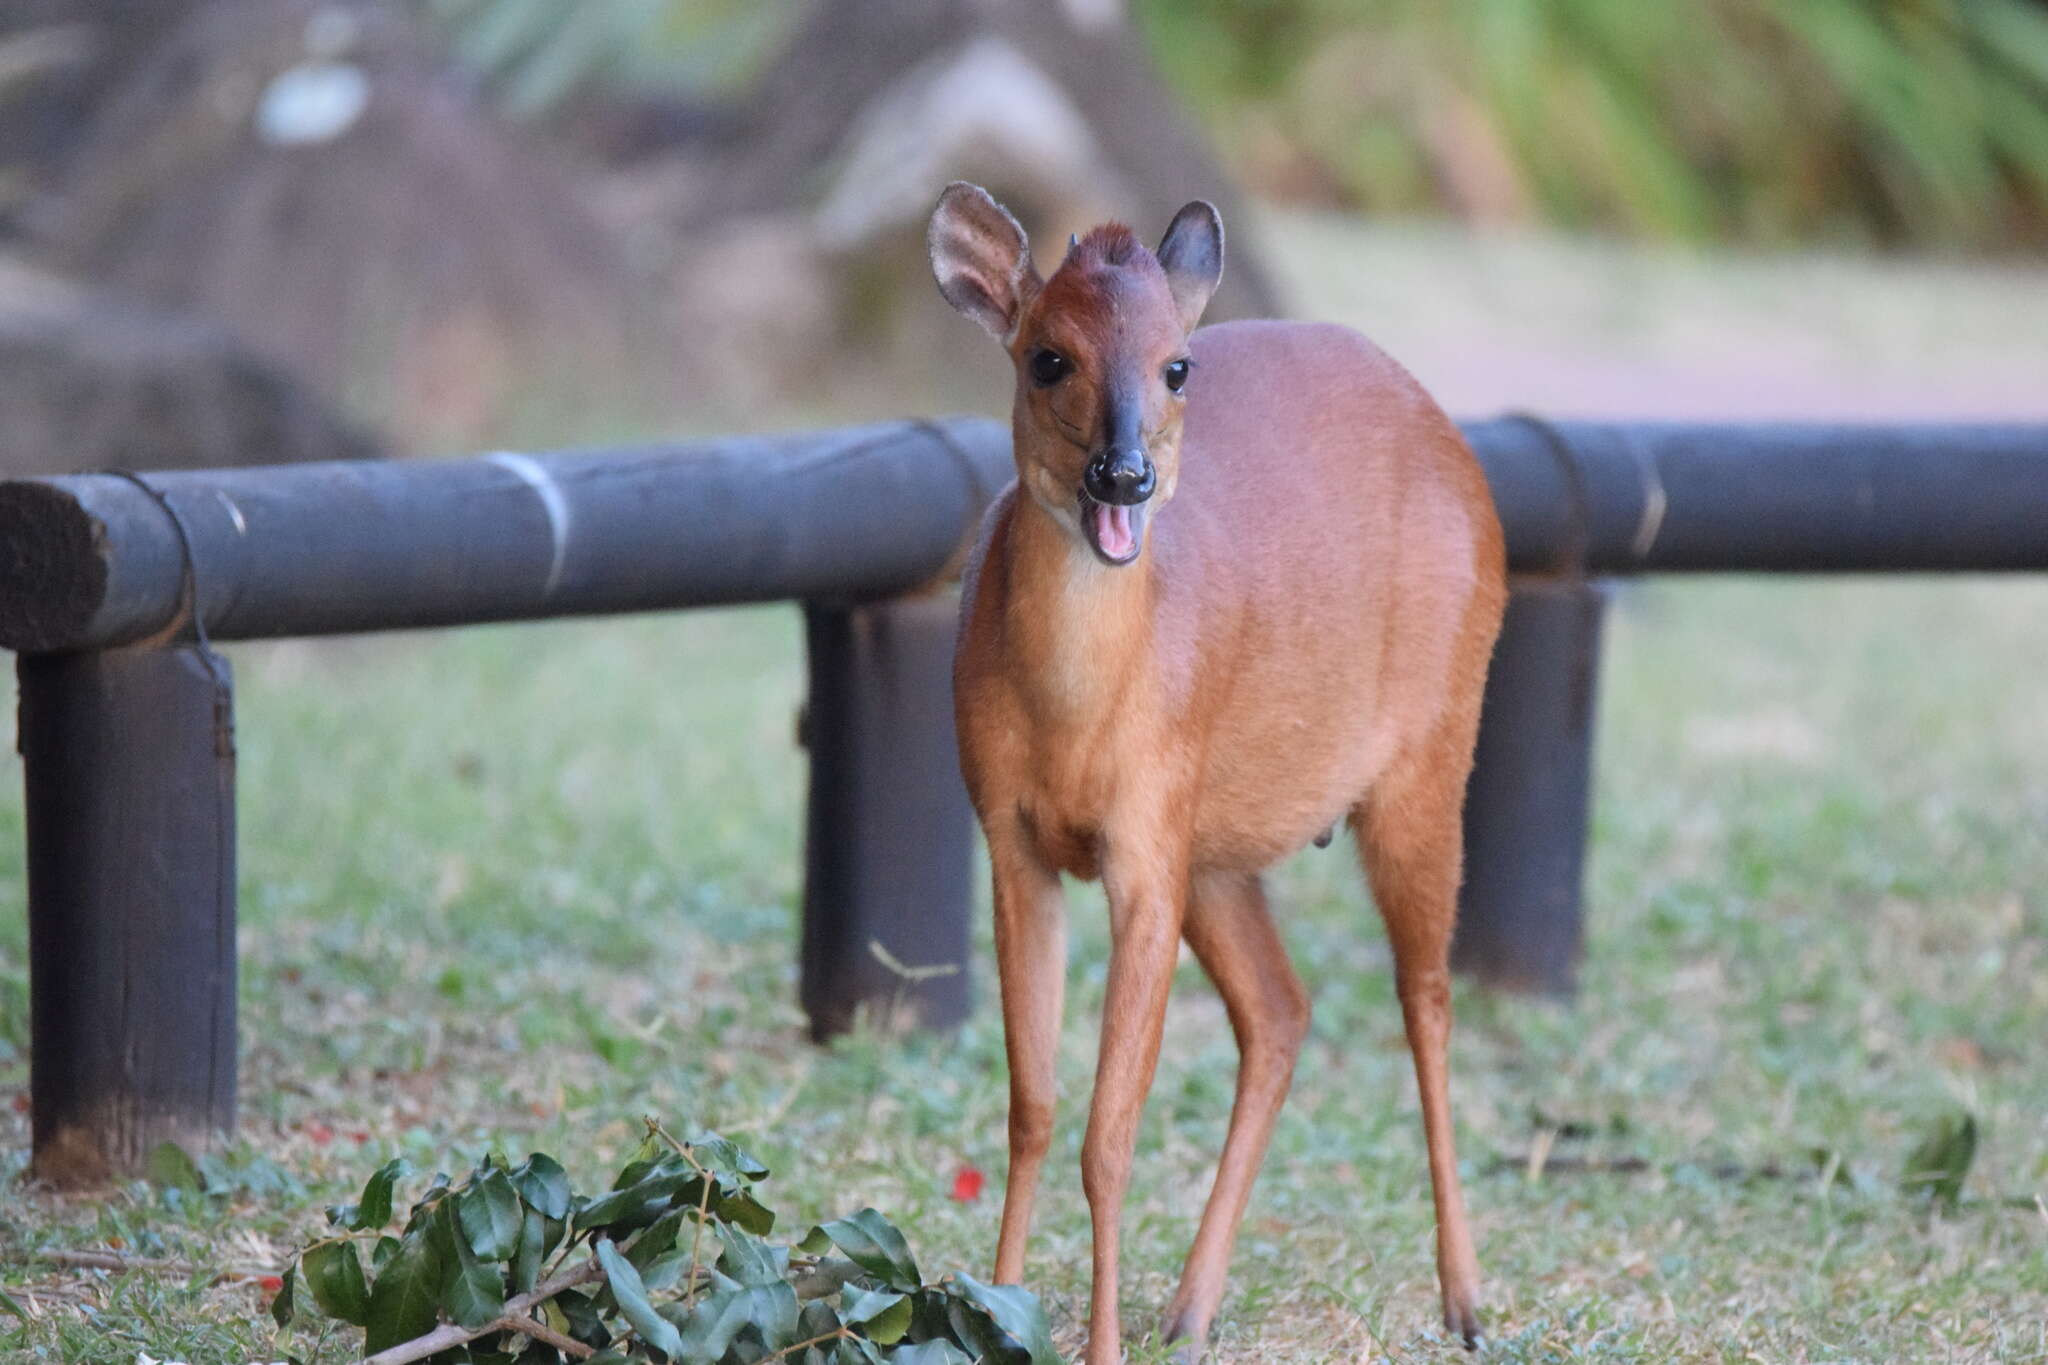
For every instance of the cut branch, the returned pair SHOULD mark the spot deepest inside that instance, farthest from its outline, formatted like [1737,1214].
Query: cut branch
[514,1319]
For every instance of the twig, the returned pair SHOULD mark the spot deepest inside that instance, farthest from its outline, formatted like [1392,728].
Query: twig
[114,1260]
[697,1239]
[904,971]
[540,1331]
[515,1319]
[654,1126]
[567,1249]
[110,1260]
[834,1335]
[682,1149]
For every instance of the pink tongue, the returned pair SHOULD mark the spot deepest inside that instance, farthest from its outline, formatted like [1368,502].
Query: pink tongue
[1113,530]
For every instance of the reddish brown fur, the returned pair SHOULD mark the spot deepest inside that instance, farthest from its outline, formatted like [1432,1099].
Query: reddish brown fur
[1303,639]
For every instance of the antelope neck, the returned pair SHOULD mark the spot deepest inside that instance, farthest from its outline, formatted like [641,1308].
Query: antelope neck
[1079,624]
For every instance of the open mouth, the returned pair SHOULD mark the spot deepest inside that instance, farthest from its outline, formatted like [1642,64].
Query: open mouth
[1116,532]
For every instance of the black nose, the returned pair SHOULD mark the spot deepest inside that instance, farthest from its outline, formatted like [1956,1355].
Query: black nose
[1124,477]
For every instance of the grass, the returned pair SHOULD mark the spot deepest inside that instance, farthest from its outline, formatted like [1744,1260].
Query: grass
[517,886]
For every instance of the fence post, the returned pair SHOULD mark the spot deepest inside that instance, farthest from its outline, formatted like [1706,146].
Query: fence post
[128,767]
[888,856]
[1526,811]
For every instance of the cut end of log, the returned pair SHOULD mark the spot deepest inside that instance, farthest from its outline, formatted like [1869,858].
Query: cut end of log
[53,569]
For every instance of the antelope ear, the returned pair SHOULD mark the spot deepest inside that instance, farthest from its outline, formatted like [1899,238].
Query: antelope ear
[1192,254]
[981,258]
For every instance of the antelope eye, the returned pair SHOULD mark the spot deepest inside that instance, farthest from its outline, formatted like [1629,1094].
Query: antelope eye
[1176,375]
[1049,367]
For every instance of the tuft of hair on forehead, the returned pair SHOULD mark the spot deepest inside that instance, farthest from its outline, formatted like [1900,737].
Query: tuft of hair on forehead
[1111,244]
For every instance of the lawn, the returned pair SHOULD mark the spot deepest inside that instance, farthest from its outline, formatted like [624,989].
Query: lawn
[518,886]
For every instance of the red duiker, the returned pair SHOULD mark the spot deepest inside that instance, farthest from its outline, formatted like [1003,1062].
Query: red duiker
[1245,586]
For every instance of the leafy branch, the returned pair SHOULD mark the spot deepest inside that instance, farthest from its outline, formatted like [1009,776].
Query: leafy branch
[516,1319]
[469,1277]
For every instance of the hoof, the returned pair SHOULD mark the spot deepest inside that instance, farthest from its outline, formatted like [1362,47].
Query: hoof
[1463,1322]
[1191,1336]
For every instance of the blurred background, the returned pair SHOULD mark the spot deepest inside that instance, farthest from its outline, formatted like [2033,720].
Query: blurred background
[259,230]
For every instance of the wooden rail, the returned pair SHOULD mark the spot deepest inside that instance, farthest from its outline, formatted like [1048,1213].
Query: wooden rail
[112,587]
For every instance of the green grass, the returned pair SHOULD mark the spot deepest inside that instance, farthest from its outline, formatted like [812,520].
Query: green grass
[518,886]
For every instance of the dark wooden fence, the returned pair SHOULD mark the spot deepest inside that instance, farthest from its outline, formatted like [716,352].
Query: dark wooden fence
[113,587]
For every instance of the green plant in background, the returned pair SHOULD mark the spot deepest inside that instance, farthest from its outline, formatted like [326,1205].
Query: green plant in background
[513,1266]
[1893,120]
[538,55]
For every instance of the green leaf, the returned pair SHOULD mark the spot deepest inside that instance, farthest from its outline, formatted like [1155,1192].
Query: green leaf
[427,1208]
[280,1307]
[475,1293]
[373,1210]
[405,1300]
[652,1244]
[775,1312]
[750,1261]
[491,1216]
[580,1318]
[885,1316]
[933,1352]
[171,1167]
[818,1319]
[743,1210]
[1014,1310]
[651,1151]
[873,1243]
[641,1202]
[931,1314]
[666,1270]
[543,1183]
[977,1332]
[1942,1160]
[654,1329]
[710,1326]
[720,1316]
[335,1275]
[533,1250]
[723,1154]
